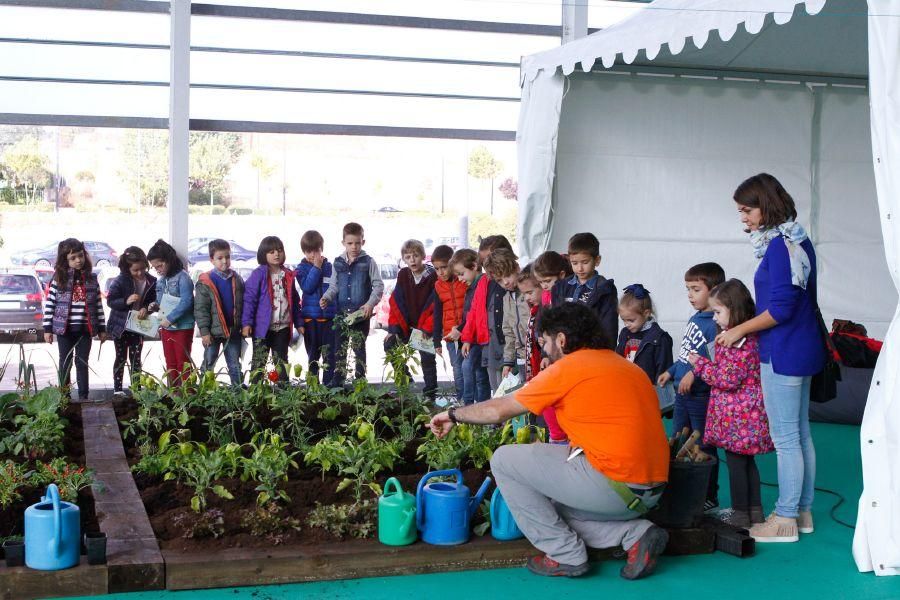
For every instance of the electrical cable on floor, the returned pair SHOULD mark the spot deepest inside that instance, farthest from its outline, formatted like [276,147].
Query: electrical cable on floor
[833,508]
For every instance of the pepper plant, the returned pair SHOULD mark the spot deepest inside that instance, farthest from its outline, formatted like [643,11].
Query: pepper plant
[268,465]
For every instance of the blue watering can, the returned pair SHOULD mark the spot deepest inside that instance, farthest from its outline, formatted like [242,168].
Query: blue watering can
[52,533]
[444,510]
[503,525]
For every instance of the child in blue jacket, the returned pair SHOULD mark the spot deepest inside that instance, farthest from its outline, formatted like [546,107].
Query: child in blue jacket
[315,276]
[692,394]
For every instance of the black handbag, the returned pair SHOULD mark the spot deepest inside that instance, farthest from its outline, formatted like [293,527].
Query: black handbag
[824,384]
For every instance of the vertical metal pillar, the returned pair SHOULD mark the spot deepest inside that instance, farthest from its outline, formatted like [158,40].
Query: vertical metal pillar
[179,123]
[574,19]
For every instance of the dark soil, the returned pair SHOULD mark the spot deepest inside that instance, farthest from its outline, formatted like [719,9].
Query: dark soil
[168,503]
[12,518]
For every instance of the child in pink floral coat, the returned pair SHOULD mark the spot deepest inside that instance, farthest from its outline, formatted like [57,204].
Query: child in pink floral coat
[736,419]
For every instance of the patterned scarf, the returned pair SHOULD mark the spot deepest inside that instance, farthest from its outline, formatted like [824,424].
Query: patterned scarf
[793,234]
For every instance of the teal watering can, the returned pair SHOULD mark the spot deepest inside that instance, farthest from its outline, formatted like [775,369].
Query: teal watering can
[444,510]
[503,525]
[52,533]
[396,515]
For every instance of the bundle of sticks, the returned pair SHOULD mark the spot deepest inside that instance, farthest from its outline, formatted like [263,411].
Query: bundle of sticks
[683,447]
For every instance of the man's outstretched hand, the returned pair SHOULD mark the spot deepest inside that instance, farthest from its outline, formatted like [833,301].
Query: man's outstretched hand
[441,424]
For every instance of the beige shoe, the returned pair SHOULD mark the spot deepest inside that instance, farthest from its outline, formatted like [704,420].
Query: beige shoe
[805,522]
[775,529]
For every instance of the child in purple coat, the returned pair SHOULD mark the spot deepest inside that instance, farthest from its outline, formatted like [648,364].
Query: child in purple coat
[736,419]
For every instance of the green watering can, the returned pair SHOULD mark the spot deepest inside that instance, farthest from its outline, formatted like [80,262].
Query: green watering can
[396,515]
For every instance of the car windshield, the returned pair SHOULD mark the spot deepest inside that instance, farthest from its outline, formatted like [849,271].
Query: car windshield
[18,284]
[389,271]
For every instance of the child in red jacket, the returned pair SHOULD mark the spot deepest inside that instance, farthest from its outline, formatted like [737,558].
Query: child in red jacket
[412,307]
[449,299]
[474,334]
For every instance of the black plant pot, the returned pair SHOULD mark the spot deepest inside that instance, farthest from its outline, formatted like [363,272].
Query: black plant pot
[95,542]
[15,553]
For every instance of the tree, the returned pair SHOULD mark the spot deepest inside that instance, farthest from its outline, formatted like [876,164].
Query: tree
[483,165]
[510,189]
[212,157]
[26,166]
[264,169]
[145,165]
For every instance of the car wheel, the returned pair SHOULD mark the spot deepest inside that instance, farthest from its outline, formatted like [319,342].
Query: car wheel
[102,263]
[42,263]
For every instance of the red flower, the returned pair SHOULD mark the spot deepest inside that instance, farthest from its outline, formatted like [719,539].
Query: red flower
[273,376]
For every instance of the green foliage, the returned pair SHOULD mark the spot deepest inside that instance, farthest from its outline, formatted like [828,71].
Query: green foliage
[356,520]
[208,524]
[69,478]
[26,167]
[473,442]
[212,156]
[485,509]
[268,465]
[13,477]
[37,429]
[269,521]
[396,363]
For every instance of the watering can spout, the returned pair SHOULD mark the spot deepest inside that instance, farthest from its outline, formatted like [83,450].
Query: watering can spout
[475,502]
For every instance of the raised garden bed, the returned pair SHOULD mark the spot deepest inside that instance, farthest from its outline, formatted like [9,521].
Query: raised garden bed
[42,442]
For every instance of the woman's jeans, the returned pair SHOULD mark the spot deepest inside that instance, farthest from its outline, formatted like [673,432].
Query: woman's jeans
[786,399]
[476,386]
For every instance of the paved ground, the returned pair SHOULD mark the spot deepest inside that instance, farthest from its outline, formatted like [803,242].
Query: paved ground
[45,358]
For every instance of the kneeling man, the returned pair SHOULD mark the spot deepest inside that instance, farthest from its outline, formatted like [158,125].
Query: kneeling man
[593,492]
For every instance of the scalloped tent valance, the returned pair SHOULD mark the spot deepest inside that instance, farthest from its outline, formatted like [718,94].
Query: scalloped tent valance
[723,34]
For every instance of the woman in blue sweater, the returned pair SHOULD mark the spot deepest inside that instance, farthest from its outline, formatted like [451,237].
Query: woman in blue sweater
[791,350]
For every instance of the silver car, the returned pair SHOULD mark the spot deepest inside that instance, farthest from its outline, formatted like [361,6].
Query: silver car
[21,304]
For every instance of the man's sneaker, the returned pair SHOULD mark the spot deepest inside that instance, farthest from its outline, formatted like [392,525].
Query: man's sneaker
[757,515]
[643,553]
[544,565]
[711,506]
[775,529]
[736,518]
[805,522]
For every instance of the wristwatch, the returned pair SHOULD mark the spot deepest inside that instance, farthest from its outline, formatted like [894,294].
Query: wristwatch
[451,414]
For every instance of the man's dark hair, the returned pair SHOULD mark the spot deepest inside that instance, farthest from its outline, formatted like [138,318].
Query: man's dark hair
[584,243]
[711,274]
[579,324]
[442,254]
[218,245]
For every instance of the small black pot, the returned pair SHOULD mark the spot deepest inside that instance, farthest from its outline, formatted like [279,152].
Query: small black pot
[15,553]
[95,542]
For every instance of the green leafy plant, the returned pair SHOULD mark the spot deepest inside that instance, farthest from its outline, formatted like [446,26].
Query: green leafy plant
[209,523]
[13,477]
[70,478]
[396,362]
[268,465]
[269,521]
[356,520]
[482,528]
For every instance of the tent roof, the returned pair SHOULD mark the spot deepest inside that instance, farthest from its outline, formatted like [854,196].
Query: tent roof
[730,35]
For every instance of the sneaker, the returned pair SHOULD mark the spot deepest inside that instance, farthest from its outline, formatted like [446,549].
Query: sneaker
[737,518]
[775,529]
[544,565]
[757,515]
[642,555]
[711,506]
[805,522]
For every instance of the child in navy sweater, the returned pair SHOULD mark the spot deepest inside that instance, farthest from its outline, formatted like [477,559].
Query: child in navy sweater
[587,286]
[315,276]
[692,397]
[642,340]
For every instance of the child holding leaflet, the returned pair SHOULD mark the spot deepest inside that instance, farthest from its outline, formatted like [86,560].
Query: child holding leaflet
[175,296]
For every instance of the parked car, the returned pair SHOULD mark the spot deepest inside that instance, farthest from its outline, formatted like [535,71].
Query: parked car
[21,304]
[100,253]
[45,276]
[388,209]
[200,253]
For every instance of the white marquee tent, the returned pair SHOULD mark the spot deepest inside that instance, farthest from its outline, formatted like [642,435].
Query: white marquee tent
[641,132]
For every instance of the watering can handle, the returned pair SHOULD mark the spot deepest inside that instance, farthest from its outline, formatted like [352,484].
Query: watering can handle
[420,497]
[53,496]
[392,482]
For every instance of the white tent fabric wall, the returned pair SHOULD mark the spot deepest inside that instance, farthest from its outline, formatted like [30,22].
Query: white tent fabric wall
[657,189]
[876,543]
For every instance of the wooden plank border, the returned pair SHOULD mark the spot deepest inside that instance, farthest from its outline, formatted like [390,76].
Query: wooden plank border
[134,561]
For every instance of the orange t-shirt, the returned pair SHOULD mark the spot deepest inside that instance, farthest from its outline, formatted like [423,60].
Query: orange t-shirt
[609,408]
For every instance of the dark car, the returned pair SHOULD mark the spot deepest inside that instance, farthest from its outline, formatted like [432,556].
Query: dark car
[200,253]
[21,308]
[100,253]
